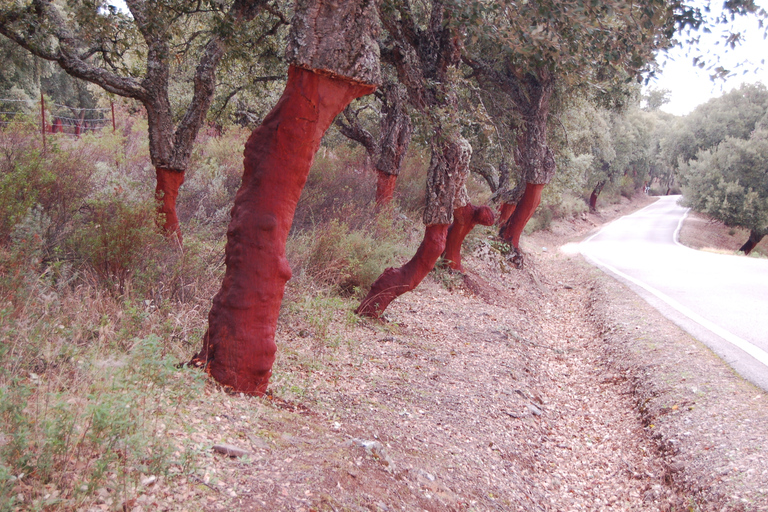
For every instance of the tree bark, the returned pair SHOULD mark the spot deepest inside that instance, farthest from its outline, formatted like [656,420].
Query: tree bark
[396,130]
[397,281]
[755,236]
[524,210]
[166,192]
[239,347]
[593,197]
[334,59]
[464,220]
[509,200]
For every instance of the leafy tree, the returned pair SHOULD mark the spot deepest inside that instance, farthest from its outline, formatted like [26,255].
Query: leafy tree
[729,182]
[733,114]
[423,46]
[133,55]
[529,49]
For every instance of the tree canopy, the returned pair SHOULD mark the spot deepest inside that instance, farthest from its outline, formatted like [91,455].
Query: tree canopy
[729,182]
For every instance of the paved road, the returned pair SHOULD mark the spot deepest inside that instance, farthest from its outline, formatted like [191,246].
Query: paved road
[720,299]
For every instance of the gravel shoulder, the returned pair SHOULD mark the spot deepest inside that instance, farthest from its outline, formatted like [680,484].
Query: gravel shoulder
[552,388]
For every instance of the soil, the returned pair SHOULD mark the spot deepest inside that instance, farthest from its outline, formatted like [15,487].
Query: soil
[702,232]
[550,388]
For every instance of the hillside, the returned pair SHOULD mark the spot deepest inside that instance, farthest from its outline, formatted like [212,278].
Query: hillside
[550,388]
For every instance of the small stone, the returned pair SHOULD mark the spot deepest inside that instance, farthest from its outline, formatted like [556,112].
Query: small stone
[376,451]
[676,467]
[230,450]
[534,410]
[257,443]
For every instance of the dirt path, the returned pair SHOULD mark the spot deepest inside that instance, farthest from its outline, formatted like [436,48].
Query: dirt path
[502,390]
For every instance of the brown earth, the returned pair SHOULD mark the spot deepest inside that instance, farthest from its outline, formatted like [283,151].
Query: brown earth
[702,232]
[551,388]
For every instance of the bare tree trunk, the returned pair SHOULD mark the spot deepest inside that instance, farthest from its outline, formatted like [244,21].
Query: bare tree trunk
[166,192]
[337,40]
[464,220]
[239,347]
[525,209]
[397,281]
[447,175]
[755,236]
[385,188]
[505,212]
[593,197]
[509,200]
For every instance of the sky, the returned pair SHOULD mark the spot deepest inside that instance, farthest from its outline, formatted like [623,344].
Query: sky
[691,86]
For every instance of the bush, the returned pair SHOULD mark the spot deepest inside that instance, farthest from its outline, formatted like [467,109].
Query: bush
[344,258]
[339,180]
[22,175]
[118,238]
[108,434]
[212,180]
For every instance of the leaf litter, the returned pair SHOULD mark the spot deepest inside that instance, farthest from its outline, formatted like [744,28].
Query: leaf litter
[505,390]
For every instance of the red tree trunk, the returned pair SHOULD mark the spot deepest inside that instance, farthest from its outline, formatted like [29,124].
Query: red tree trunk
[754,238]
[166,192]
[239,347]
[505,212]
[593,201]
[464,220]
[385,188]
[397,281]
[513,228]
[593,197]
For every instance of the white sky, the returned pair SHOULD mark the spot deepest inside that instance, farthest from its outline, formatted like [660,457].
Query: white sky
[690,86]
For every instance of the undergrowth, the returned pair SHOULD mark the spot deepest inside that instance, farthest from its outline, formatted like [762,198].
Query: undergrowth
[98,310]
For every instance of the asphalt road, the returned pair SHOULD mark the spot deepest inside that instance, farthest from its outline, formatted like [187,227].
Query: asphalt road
[722,300]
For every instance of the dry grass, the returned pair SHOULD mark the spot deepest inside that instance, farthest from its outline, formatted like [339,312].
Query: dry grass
[706,234]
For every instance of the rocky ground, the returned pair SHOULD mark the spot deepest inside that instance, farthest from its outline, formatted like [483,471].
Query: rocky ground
[552,388]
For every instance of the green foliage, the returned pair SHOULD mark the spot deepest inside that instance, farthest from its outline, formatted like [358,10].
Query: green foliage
[734,114]
[110,435]
[729,182]
[575,41]
[118,237]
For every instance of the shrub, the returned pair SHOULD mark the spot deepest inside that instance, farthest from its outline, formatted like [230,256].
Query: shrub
[21,175]
[212,180]
[338,180]
[117,238]
[107,434]
[344,258]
